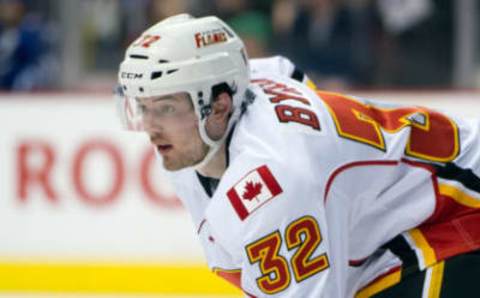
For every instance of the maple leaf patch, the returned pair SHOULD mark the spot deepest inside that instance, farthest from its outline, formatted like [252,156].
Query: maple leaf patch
[252,191]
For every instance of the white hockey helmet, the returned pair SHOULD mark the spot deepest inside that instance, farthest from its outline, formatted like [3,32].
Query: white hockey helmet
[184,54]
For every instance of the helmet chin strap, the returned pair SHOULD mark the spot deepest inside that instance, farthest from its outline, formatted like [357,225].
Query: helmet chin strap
[214,145]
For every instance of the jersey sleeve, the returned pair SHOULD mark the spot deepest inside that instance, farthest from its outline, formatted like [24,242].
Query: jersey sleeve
[264,219]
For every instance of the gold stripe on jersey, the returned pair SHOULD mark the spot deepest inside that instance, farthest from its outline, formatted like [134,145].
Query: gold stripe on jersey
[458,195]
[311,85]
[381,284]
[422,244]
[435,287]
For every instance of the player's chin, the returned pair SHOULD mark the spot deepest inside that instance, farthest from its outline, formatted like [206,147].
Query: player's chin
[169,165]
[173,164]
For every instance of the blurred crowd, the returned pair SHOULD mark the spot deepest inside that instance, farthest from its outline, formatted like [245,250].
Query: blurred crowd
[28,52]
[339,43]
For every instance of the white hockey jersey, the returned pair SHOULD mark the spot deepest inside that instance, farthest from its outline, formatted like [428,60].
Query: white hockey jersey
[325,193]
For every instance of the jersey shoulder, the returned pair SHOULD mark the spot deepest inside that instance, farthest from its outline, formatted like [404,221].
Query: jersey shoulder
[275,64]
[281,66]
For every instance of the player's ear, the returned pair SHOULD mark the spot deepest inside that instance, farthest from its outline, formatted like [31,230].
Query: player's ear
[217,121]
[222,107]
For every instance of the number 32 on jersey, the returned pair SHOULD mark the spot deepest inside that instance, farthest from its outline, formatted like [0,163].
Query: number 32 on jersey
[302,235]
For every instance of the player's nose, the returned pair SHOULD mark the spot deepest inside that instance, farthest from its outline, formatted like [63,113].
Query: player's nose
[154,133]
[150,124]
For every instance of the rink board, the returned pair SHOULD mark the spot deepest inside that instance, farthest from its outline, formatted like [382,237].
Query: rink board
[84,207]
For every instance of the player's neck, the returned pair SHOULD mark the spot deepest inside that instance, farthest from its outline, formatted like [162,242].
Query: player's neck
[216,166]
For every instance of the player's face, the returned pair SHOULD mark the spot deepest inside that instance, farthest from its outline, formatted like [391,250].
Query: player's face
[172,126]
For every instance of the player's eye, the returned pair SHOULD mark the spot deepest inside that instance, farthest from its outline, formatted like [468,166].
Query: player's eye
[165,110]
[168,110]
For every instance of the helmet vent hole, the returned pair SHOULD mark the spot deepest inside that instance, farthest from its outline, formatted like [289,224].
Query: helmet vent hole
[171,71]
[156,75]
[141,89]
[139,57]
[162,61]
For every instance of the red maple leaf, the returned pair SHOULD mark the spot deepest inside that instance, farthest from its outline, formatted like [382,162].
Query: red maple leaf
[252,190]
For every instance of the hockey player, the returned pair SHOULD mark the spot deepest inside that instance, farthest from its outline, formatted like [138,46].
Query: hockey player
[303,193]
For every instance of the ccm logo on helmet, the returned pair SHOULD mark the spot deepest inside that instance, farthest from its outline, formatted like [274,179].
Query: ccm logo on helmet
[207,38]
[131,75]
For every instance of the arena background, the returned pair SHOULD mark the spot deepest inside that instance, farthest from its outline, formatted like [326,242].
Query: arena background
[85,211]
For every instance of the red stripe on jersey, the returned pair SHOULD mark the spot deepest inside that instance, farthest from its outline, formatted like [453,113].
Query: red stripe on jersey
[352,165]
[357,263]
[452,229]
[269,180]
[418,164]
[232,276]
[431,169]
[237,204]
